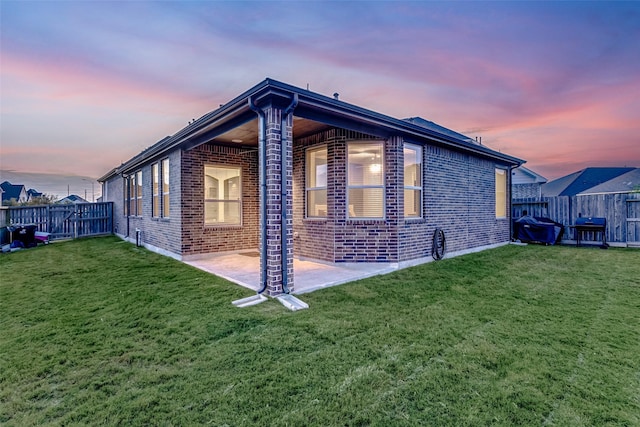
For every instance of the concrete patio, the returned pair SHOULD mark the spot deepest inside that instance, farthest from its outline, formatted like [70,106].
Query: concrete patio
[244,269]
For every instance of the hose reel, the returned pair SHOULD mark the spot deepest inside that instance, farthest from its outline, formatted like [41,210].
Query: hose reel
[438,248]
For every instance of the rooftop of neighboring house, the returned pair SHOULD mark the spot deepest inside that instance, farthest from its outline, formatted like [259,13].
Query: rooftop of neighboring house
[12,191]
[522,175]
[582,181]
[624,183]
[33,193]
[73,198]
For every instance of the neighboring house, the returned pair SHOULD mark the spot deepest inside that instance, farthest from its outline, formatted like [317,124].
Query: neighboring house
[526,184]
[72,199]
[581,181]
[346,184]
[15,193]
[32,194]
[625,183]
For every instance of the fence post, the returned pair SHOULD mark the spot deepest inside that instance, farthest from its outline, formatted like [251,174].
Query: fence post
[4,216]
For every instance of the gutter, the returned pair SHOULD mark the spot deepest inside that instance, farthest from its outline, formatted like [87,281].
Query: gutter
[262,155]
[313,101]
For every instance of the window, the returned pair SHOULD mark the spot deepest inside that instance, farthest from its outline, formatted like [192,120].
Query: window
[316,182]
[412,181]
[139,193]
[134,196]
[365,180]
[125,196]
[155,190]
[501,193]
[160,189]
[222,190]
[165,188]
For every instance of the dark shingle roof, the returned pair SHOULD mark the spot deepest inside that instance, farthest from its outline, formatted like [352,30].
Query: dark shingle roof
[622,184]
[11,191]
[312,106]
[427,124]
[73,198]
[581,181]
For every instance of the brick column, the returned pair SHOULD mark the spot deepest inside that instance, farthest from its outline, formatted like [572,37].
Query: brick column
[394,184]
[274,201]
[394,179]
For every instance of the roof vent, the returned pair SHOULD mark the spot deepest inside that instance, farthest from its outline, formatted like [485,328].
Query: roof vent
[336,96]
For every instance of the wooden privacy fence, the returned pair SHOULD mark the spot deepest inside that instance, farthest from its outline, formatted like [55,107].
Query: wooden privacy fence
[622,212]
[66,221]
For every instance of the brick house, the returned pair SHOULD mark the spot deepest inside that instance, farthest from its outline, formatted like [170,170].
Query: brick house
[358,186]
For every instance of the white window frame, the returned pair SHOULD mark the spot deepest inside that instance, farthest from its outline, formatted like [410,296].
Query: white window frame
[132,195]
[309,189]
[419,157]
[156,207]
[505,201]
[138,186]
[380,186]
[125,195]
[165,198]
[223,201]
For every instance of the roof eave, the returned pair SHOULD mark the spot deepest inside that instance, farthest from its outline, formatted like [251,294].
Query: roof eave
[273,88]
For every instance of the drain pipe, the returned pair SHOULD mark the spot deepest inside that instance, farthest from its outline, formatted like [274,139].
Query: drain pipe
[283,191]
[262,160]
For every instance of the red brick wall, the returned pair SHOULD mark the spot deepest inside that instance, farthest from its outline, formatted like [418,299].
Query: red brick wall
[163,233]
[198,238]
[336,238]
[458,196]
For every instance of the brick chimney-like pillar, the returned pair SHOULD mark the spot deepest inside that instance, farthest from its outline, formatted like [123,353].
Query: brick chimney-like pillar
[274,201]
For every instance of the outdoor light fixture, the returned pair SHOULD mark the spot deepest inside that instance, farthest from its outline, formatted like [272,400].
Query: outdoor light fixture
[237,140]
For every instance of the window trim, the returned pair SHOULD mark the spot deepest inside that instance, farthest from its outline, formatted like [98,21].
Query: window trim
[165,203]
[382,186]
[133,182]
[125,196]
[308,189]
[239,201]
[139,203]
[132,192]
[155,190]
[505,172]
[419,155]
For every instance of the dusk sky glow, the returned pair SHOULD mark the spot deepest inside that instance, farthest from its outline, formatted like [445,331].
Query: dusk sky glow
[87,85]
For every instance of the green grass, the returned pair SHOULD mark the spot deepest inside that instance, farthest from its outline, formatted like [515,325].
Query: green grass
[97,331]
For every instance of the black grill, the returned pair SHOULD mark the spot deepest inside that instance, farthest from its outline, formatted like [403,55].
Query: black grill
[591,224]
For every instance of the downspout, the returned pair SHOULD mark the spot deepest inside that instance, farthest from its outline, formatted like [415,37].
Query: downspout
[262,160]
[510,201]
[283,191]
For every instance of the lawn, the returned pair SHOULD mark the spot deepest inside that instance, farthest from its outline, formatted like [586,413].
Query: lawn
[98,331]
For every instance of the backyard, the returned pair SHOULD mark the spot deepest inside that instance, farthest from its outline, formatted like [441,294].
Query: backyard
[98,331]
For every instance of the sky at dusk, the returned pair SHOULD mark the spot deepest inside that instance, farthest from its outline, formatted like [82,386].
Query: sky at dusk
[87,85]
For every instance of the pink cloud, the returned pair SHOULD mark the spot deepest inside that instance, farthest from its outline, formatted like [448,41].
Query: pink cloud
[60,81]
